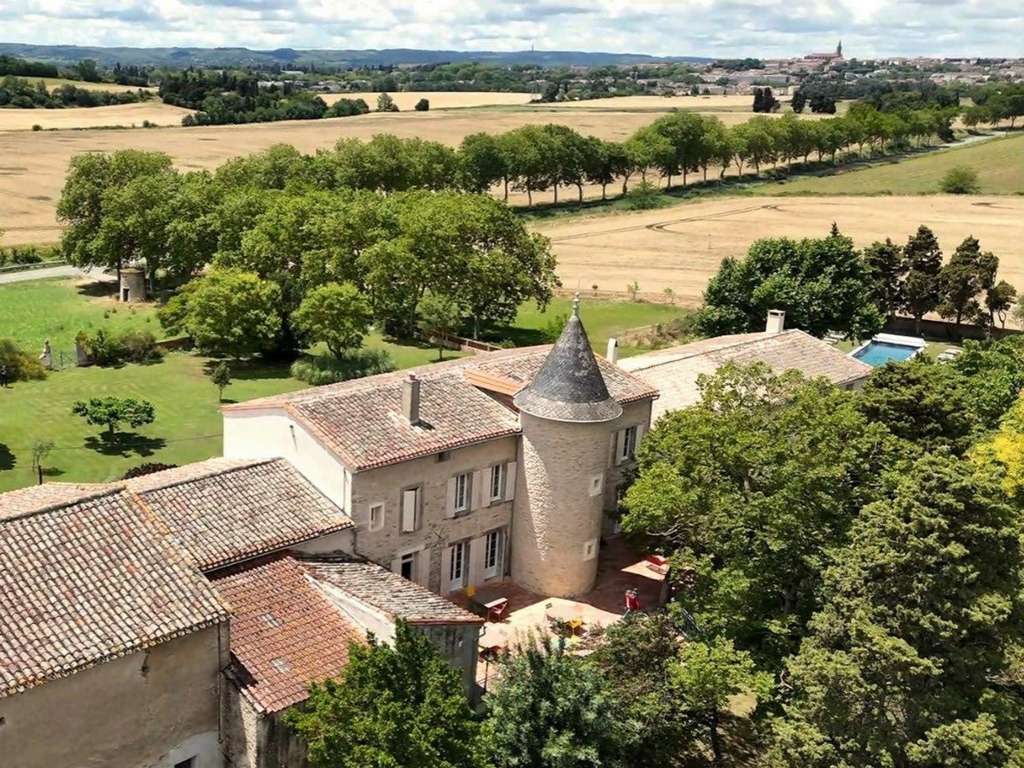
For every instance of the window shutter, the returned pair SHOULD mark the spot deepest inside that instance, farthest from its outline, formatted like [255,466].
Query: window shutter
[475,556]
[409,499]
[449,507]
[510,481]
[477,490]
[446,569]
[620,439]
[614,449]
[641,430]
[396,565]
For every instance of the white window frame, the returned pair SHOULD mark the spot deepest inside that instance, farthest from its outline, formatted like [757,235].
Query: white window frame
[463,492]
[458,565]
[411,558]
[378,507]
[405,524]
[494,553]
[628,450]
[498,473]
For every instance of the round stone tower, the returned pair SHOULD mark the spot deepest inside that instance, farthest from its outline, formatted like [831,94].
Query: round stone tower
[556,520]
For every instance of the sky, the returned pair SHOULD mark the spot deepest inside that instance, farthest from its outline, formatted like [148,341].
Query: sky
[714,28]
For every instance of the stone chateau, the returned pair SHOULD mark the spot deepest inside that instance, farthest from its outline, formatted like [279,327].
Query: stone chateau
[169,620]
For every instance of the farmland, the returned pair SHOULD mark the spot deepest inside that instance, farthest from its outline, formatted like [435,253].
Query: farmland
[406,100]
[119,115]
[682,246]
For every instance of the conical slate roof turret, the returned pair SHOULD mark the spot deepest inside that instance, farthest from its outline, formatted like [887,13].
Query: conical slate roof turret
[569,385]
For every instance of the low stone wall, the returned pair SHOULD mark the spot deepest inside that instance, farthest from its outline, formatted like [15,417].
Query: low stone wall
[945,330]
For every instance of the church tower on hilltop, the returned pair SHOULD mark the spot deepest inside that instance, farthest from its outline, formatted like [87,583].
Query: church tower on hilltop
[839,50]
[565,414]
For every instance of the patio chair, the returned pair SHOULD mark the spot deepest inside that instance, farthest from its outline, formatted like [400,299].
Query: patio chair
[497,610]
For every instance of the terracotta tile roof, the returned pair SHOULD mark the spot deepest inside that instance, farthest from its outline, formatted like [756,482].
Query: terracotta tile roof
[361,420]
[88,581]
[226,510]
[674,371]
[284,631]
[39,497]
[388,592]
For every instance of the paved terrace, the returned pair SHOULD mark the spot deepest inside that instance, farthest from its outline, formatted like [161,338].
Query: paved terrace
[620,568]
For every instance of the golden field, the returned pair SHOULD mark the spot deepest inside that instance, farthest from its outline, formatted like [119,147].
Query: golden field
[681,247]
[406,100]
[118,115]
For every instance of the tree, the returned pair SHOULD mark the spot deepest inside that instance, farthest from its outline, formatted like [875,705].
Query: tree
[886,268]
[798,101]
[220,375]
[227,311]
[999,300]
[385,103]
[960,180]
[551,710]
[708,674]
[111,412]
[822,284]
[440,316]
[921,291]
[400,705]
[921,611]
[40,450]
[483,162]
[336,314]
[747,490]
[422,105]
[968,273]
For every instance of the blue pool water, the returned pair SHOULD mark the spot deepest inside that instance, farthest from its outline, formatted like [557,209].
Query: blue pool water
[878,353]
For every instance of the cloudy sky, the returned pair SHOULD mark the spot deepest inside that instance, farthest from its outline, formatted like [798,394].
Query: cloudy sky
[665,27]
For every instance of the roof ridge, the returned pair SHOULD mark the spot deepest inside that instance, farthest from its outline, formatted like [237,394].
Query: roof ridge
[101,491]
[761,336]
[244,464]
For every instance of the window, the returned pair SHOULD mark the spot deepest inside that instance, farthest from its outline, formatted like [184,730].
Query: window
[626,444]
[461,501]
[497,482]
[407,566]
[444,456]
[494,551]
[458,555]
[190,763]
[596,485]
[590,549]
[376,521]
[410,509]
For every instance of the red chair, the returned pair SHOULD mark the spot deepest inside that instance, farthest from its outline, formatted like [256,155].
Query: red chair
[497,610]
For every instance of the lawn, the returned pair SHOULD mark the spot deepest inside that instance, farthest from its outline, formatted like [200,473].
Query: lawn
[57,309]
[999,163]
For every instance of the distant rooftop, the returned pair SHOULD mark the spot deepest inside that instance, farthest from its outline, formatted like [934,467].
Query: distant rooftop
[674,371]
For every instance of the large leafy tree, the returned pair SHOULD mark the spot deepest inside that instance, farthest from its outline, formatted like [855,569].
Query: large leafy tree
[908,659]
[822,284]
[551,710]
[886,269]
[970,272]
[748,490]
[112,412]
[227,311]
[336,314]
[395,706]
[921,289]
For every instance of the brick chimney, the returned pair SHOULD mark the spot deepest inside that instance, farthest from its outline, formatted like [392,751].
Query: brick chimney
[411,399]
[776,321]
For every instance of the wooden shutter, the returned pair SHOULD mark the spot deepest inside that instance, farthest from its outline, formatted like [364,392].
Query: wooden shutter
[449,507]
[475,557]
[510,480]
[620,439]
[409,499]
[446,569]
[477,490]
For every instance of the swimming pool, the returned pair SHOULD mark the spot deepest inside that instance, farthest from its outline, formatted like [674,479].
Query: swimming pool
[888,348]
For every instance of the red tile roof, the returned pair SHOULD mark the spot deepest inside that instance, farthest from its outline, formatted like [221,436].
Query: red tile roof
[284,631]
[223,511]
[89,580]
[361,420]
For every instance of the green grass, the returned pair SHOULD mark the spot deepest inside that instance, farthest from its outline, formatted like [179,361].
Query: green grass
[188,420]
[57,309]
[999,163]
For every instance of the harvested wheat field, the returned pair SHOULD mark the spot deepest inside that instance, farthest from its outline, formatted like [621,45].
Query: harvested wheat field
[681,247]
[406,100]
[118,115]
[56,82]
[33,164]
[695,103]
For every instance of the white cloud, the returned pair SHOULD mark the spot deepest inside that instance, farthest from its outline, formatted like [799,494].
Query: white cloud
[666,27]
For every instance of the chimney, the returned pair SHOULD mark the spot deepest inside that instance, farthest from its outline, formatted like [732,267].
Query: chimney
[411,399]
[776,321]
[612,355]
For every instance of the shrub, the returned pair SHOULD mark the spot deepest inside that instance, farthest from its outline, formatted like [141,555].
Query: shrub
[643,196]
[960,180]
[147,469]
[318,370]
[21,366]
[422,105]
[108,349]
